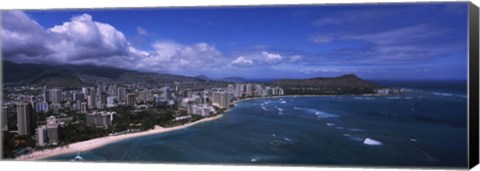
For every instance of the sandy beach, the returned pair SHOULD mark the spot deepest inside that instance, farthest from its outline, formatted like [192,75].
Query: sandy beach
[99,142]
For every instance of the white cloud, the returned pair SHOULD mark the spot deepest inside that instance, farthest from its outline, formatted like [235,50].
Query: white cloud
[295,58]
[173,56]
[82,38]
[242,61]
[85,41]
[22,36]
[321,39]
[271,57]
[141,31]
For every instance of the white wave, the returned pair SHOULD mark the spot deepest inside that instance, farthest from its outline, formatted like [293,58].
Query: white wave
[364,98]
[330,124]
[442,94]
[355,129]
[253,160]
[408,98]
[320,114]
[280,110]
[339,127]
[273,135]
[287,139]
[264,108]
[346,135]
[369,141]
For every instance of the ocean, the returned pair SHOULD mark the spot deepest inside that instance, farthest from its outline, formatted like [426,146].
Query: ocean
[424,128]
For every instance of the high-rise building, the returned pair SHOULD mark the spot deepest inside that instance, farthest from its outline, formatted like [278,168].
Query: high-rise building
[41,134]
[230,88]
[41,107]
[26,119]
[53,130]
[100,119]
[239,90]
[91,101]
[78,105]
[131,99]
[221,99]
[55,95]
[249,90]
[166,92]
[145,96]
[46,95]
[112,90]
[258,90]
[277,91]
[103,97]
[83,107]
[50,133]
[85,91]
[122,94]
[4,118]
[203,110]
[111,101]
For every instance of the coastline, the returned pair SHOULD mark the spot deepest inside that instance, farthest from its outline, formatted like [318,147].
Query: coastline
[99,142]
[282,96]
[102,141]
[304,95]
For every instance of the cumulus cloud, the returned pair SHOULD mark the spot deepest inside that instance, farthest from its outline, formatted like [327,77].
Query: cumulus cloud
[173,56]
[271,57]
[81,40]
[22,36]
[242,61]
[78,41]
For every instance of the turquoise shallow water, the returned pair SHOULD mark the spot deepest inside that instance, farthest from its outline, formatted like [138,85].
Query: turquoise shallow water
[424,128]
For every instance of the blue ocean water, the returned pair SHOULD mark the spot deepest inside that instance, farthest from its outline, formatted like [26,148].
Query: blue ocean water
[424,128]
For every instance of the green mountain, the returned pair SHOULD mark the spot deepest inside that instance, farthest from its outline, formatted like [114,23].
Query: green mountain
[81,75]
[57,78]
[345,84]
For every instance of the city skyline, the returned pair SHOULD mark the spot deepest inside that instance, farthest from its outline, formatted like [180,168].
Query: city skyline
[374,41]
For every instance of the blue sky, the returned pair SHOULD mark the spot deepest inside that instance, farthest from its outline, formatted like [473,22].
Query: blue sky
[374,41]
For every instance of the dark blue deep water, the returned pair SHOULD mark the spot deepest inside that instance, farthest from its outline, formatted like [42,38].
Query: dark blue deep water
[424,128]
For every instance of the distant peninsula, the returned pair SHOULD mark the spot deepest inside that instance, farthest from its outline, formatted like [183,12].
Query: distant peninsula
[345,84]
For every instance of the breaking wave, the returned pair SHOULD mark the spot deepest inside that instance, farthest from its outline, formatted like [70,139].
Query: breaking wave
[318,113]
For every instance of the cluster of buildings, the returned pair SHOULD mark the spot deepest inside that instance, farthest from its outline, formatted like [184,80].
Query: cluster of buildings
[92,102]
[387,91]
[205,102]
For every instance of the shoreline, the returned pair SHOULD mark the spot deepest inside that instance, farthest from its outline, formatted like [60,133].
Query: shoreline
[102,141]
[303,95]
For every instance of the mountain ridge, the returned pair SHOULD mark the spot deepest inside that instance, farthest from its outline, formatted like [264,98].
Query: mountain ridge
[344,84]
